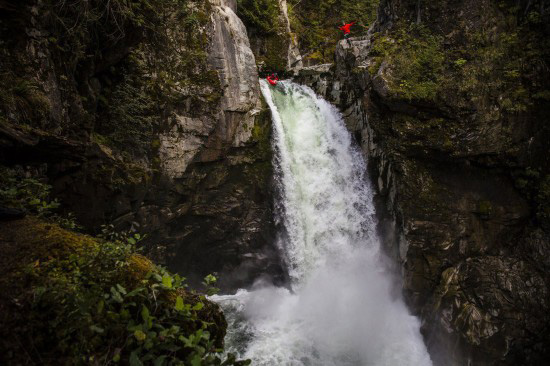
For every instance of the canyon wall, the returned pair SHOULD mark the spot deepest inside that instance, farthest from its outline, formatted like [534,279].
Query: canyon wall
[448,102]
[148,118]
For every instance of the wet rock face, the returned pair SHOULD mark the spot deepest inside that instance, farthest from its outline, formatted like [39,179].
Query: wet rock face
[271,38]
[468,237]
[166,134]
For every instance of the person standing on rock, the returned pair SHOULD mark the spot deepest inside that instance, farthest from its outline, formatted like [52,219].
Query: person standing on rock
[346,28]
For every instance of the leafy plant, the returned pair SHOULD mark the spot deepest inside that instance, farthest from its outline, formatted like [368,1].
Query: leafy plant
[31,194]
[27,193]
[106,304]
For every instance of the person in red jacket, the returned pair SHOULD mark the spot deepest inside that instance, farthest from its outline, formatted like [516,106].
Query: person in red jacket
[346,28]
[272,79]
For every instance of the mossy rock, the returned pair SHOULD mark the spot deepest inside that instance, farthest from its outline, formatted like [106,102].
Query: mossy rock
[40,261]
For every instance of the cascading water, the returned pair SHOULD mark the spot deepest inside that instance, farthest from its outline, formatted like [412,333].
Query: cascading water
[340,309]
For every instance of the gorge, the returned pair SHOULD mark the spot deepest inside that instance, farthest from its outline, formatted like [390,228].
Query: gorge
[124,118]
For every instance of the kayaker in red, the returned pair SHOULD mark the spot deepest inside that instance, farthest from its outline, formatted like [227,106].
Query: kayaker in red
[272,79]
[346,28]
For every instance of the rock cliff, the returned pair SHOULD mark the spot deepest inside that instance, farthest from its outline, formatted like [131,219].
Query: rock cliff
[149,117]
[447,102]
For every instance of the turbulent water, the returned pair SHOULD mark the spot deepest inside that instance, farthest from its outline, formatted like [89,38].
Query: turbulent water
[341,309]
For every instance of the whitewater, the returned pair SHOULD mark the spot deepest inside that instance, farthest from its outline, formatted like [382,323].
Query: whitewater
[341,307]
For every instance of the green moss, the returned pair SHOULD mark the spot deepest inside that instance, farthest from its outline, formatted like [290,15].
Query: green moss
[82,300]
[415,60]
[484,209]
[260,15]
[493,68]
[274,59]
[316,22]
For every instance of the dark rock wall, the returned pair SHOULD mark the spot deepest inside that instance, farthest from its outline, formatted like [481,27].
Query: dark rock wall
[147,117]
[456,134]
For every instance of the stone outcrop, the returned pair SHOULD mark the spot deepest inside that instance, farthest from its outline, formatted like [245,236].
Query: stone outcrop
[467,234]
[163,131]
[275,47]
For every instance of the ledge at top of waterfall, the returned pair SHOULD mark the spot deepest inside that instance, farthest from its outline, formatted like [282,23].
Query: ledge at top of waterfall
[341,310]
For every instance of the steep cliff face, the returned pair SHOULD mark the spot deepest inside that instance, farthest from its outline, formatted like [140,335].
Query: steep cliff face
[455,96]
[271,38]
[147,116]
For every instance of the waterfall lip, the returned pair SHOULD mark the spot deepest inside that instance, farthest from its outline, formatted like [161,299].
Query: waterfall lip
[339,309]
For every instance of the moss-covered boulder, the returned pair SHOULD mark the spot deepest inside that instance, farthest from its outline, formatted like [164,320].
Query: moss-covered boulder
[73,299]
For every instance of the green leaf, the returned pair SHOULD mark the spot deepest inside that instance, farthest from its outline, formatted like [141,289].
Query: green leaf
[100,306]
[116,295]
[121,289]
[179,304]
[96,329]
[198,306]
[160,361]
[140,336]
[131,241]
[196,361]
[210,279]
[135,292]
[145,313]
[134,359]
[167,281]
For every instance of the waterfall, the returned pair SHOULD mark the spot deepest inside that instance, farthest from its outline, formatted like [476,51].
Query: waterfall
[341,308]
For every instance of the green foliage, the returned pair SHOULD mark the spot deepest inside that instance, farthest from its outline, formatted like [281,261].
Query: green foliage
[496,66]
[260,15]
[19,191]
[460,62]
[102,303]
[165,72]
[316,22]
[131,117]
[89,302]
[22,98]
[30,193]
[23,191]
[149,57]
[208,283]
[415,59]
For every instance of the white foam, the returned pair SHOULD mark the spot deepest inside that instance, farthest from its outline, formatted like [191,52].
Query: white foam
[341,310]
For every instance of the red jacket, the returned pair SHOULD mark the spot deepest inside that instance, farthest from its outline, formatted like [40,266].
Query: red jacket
[347,28]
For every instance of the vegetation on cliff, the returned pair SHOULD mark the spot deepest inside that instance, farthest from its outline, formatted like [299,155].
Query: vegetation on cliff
[74,299]
[117,68]
[498,69]
[267,32]
[316,22]
[314,26]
